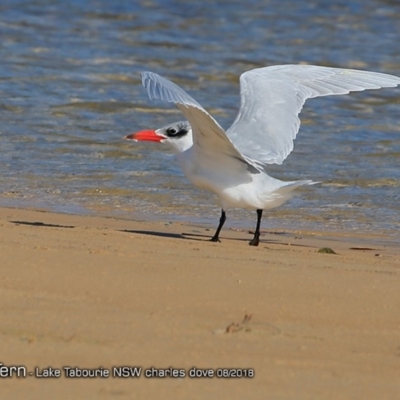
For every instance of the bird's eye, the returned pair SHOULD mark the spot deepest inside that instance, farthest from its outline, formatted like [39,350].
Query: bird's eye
[171,131]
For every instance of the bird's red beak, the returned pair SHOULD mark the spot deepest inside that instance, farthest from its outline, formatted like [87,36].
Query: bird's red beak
[145,136]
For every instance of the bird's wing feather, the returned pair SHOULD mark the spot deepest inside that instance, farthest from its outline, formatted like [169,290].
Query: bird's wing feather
[272,98]
[209,138]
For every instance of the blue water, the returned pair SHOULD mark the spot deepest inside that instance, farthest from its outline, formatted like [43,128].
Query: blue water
[70,90]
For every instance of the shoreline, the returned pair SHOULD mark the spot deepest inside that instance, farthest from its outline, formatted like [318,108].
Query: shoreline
[100,292]
[351,219]
[235,223]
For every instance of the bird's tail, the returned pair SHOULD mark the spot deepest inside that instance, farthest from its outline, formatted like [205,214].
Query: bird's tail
[283,193]
[289,186]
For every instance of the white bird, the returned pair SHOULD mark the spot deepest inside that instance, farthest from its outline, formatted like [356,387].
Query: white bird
[233,164]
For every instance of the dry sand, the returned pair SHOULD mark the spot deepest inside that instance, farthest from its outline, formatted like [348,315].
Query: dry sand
[101,292]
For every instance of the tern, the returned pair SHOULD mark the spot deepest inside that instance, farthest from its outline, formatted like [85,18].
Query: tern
[234,163]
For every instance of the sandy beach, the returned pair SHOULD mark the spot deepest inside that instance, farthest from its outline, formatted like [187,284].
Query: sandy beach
[103,293]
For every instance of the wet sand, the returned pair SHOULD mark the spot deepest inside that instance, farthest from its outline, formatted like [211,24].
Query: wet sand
[93,292]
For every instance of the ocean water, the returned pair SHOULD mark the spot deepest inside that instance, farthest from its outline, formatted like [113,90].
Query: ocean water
[70,90]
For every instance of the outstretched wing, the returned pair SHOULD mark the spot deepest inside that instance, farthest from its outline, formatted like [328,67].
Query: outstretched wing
[272,98]
[209,138]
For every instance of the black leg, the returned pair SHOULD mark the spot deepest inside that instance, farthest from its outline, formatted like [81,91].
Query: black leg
[256,239]
[222,220]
